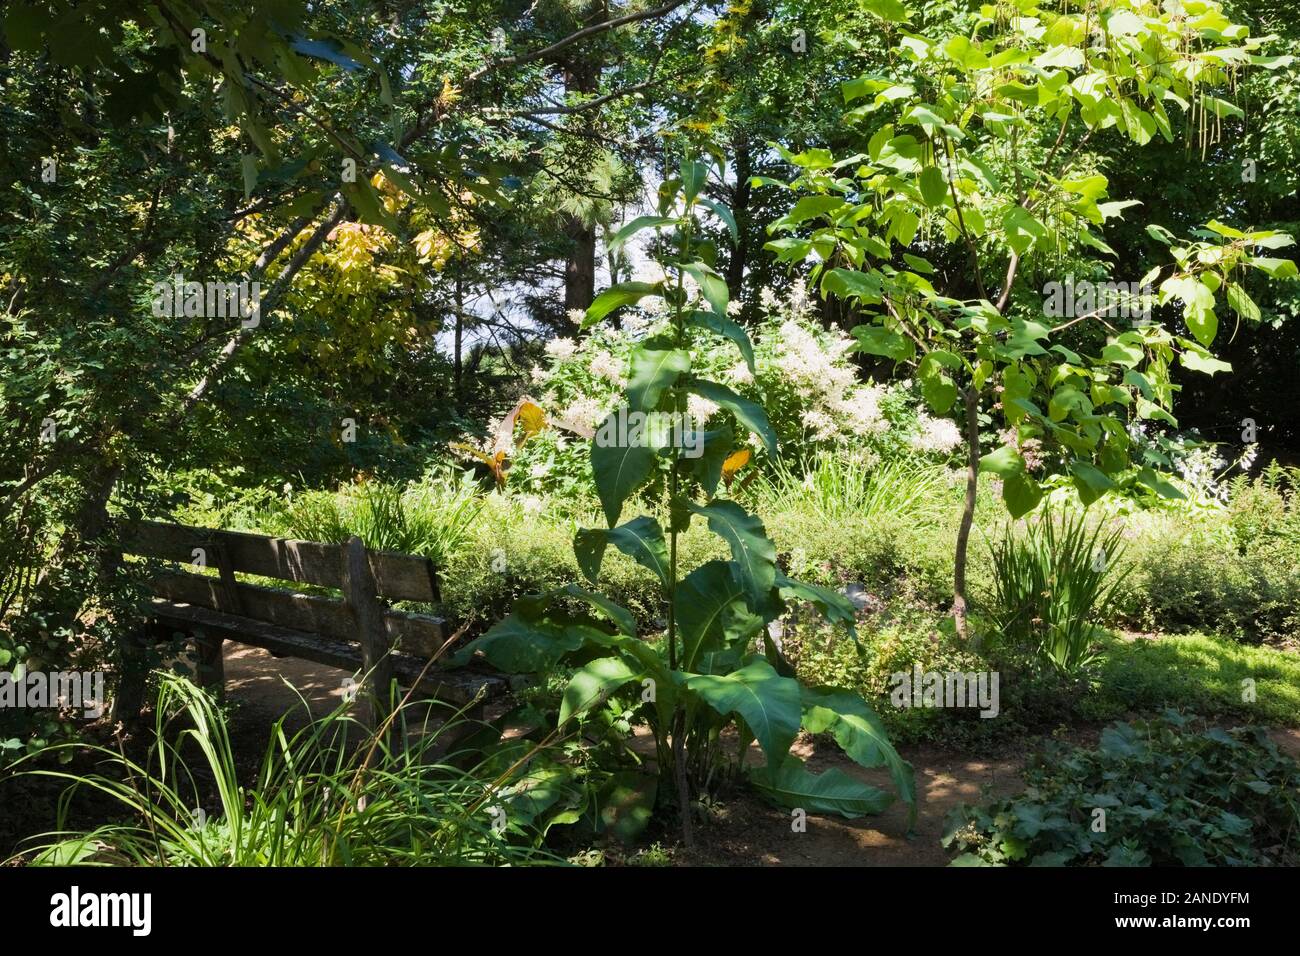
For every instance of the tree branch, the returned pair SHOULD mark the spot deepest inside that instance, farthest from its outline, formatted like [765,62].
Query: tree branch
[547,52]
[271,302]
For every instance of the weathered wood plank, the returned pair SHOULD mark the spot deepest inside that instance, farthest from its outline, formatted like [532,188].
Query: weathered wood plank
[398,577]
[460,686]
[417,634]
[374,696]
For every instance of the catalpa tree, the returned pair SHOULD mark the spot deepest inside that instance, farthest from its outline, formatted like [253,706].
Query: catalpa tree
[974,173]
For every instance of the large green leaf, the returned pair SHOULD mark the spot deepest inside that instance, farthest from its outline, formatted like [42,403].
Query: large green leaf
[1199,360]
[694,176]
[892,10]
[619,470]
[1198,305]
[715,446]
[1242,303]
[809,207]
[723,213]
[712,286]
[835,607]
[626,293]
[749,414]
[535,792]
[753,553]
[641,539]
[767,702]
[701,603]
[1022,230]
[592,684]
[653,366]
[866,287]
[1021,493]
[1274,268]
[1003,462]
[632,228]
[620,615]
[933,188]
[937,386]
[1090,481]
[875,340]
[859,732]
[518,645]
[791,784]
[721,325]
[625,805]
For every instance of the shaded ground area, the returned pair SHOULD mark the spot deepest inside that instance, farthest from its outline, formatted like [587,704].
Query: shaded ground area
[750,832]
[742,830]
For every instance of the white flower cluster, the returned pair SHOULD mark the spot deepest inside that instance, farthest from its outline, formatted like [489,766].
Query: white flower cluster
[561,349]
[1201,468]
[938,436]
[827,385]
[584,411]
[700,409]
[1247,459]
[604,365]
[796,305]
[739,374]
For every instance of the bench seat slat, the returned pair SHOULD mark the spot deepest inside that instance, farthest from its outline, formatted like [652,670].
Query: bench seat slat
[459,686]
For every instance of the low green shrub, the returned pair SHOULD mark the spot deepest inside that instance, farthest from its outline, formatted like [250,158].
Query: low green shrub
[1191,575]
[1211,676]
[891,642]
[1228,568]
[1152,793]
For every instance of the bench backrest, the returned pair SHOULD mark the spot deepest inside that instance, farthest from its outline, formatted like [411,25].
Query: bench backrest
[369,579]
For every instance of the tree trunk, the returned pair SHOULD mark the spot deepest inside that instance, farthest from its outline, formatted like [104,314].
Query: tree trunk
[582,75]
[580,269]
[959,606]
[460,332]
[740,210]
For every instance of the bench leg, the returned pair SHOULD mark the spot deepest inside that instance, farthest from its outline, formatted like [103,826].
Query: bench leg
[134,675]
[211,671]
[471,722]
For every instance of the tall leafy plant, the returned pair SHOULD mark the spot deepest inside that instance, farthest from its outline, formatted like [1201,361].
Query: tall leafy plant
[699,679]
[1053,584]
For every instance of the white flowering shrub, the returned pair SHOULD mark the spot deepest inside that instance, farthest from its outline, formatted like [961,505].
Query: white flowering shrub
[817,399]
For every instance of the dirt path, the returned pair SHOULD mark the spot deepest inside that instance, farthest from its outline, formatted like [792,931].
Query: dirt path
[262,688]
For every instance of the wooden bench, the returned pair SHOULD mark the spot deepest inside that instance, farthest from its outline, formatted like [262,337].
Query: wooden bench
[359,632]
